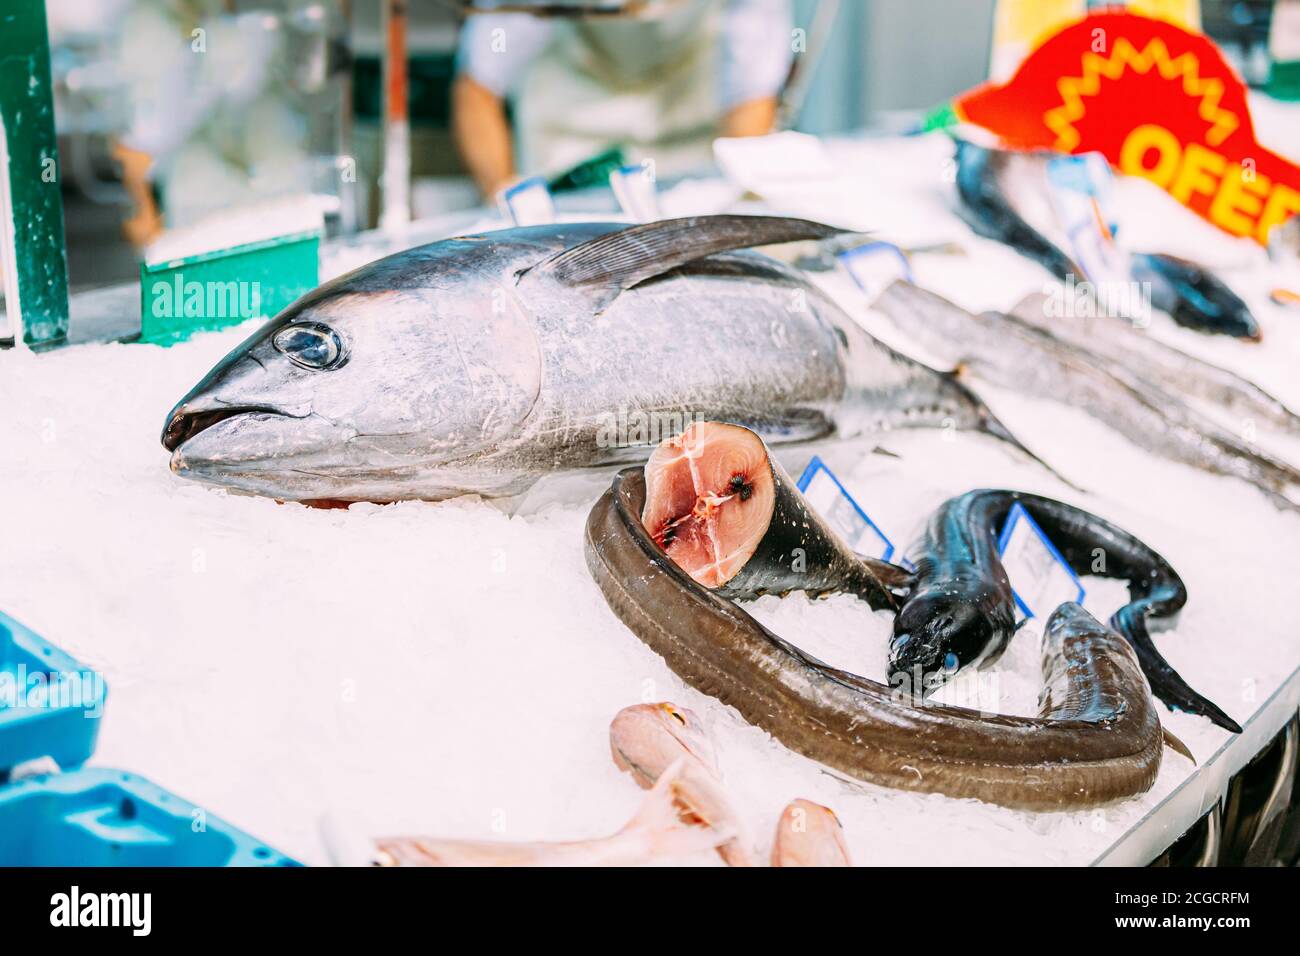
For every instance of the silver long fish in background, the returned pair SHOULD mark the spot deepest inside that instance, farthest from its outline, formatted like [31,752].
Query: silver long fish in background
[1011,353]
[1005,196]
[1163,365]
[482,363]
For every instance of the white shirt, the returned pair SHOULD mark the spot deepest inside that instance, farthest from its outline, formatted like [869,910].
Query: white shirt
[757,49]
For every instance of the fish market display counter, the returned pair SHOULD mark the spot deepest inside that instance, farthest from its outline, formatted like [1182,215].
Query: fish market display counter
[451,669]
[1201,796]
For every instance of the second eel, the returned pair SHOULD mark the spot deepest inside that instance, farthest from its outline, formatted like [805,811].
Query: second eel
[961,605]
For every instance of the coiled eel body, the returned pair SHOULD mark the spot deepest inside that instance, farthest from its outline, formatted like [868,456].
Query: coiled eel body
[1098,737]
[962,604]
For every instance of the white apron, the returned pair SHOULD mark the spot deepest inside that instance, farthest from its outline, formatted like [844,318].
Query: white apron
[647,85]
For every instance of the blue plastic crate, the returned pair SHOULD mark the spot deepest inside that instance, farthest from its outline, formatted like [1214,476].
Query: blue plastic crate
[100,817]
[50,705]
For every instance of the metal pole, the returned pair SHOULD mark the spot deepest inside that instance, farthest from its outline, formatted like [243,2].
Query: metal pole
[35,263]
[804,68]
[396,180]
[348,188]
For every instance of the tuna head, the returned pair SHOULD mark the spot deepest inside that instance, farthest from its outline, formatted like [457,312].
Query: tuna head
[358,393]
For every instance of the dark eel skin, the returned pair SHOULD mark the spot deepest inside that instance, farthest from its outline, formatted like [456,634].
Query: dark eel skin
[1192,295]
[1098,738]
[826,563]
[962,605]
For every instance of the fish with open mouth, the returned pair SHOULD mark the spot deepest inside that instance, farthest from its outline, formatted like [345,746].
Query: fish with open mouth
[809,834]
[1003,196]
[1098,737]
[1030,359]
[647,739]
[482,363]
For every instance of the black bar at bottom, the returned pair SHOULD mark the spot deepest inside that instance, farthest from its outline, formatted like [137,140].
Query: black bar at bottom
[923,906]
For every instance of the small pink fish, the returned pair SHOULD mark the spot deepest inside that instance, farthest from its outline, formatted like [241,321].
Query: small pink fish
[645,739]
[656,831]
[809,834]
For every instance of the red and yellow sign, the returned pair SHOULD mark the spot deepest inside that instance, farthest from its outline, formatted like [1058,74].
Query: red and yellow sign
[1157,101]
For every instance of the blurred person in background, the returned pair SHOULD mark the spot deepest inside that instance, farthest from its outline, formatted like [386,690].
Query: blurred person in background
[211,123]
[660,85]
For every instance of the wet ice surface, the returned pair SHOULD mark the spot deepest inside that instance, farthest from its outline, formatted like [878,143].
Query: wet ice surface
[451,669]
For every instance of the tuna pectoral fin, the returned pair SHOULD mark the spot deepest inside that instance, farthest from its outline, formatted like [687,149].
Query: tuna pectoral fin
[607,265]
[990,425]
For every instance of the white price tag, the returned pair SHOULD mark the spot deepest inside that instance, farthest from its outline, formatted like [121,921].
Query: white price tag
[1080,194]
[1040,577]
[825,493]
[634,188]
[874,266]
[528,203]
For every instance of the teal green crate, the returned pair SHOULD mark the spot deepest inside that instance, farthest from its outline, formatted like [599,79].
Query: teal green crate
[217,289]
[591,172]
[1284,80]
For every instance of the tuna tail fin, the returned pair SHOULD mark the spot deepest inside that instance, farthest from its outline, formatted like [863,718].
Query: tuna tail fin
[659,820]
[989,424]
[605,266]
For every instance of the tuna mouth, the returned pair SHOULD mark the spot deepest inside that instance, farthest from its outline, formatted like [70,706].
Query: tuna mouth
[709,499]
[185,424]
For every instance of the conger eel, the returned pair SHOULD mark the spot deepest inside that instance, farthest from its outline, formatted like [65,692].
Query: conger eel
[1098,737]
[960,605]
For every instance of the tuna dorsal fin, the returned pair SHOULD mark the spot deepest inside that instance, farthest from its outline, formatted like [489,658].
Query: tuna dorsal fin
[619,260]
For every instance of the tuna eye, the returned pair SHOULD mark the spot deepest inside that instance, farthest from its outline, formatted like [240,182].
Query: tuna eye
[311,346]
